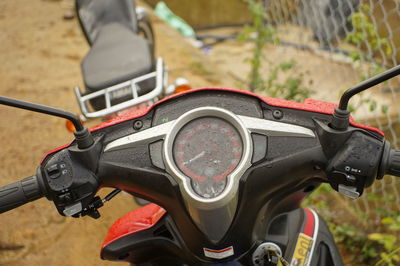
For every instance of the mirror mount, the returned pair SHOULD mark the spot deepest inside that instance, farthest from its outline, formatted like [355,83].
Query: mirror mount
[341,116]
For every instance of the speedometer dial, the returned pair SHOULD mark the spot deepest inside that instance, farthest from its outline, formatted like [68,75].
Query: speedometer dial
[207,150]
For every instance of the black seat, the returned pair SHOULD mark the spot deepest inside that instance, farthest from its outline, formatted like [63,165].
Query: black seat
[117,55]
[94,14]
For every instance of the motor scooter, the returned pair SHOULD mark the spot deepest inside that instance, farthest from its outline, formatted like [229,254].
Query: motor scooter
[226,171]
[120,70]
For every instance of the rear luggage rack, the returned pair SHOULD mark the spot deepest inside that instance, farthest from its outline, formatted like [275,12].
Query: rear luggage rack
[160,74]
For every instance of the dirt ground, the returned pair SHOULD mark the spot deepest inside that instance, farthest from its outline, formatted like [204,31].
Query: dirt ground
[40,56]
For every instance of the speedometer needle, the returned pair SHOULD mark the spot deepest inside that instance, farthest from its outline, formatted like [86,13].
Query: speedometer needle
[195,158]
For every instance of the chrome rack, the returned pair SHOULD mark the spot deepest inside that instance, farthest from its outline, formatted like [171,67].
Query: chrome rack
[160,74]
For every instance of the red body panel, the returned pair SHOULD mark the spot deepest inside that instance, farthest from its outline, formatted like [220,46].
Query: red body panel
[135,221]
[147,216]
[309,226]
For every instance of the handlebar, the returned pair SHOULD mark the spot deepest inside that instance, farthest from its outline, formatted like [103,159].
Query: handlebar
[141,160]
[393,163]
[20,193]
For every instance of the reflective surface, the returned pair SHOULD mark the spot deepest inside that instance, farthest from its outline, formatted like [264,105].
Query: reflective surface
[207,150]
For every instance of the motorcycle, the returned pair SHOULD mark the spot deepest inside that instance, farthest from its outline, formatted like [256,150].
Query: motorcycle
[226,171]
[120,70]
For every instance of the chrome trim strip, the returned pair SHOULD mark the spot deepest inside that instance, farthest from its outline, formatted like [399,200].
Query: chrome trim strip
[256,125]
[159,74]
[223,206]
[141,137]
[315,235]
[276,129]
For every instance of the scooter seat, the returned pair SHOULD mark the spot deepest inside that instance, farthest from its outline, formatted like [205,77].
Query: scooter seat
[117,55]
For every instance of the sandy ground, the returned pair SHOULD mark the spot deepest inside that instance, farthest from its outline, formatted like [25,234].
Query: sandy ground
[40,57]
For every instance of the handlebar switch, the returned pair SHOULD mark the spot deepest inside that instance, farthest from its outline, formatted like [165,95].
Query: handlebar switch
[53,172]
[344,178]
[350,192]
[355,164]
[66,197]
[73,209]
[71,185]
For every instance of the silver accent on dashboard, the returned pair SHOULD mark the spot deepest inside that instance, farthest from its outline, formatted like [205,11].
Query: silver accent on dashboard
[255,125]
[276,129]
[213,216]
[141,137]
[223,206]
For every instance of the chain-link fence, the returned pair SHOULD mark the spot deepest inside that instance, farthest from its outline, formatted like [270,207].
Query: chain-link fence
[318,49]
[341,43]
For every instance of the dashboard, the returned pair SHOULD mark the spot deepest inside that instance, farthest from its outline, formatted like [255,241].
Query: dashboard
[206,143]
[222,163]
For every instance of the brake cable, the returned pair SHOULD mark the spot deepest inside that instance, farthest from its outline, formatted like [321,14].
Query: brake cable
[92,209]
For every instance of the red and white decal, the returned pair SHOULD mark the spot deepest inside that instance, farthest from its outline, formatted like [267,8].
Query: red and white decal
[218,254]
[306,240]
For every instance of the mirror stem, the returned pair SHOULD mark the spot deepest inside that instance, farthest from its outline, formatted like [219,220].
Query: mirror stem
[340,119]
[82,135]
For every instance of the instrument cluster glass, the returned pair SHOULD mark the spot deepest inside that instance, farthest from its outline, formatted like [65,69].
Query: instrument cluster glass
[207,150]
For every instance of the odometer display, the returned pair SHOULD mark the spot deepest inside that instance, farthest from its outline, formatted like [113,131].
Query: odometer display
[207,150]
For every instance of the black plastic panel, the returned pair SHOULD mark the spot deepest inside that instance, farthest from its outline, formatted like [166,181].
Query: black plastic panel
[260,144]
[158,245]
[236,103]
[156,149]
[283,167]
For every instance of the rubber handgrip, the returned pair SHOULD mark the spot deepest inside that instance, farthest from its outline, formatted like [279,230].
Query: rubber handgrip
[19,193]
[394,163]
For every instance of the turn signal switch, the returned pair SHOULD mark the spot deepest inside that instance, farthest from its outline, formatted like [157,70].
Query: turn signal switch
[355,165]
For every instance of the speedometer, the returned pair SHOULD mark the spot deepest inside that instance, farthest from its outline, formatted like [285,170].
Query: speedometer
[207,150]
